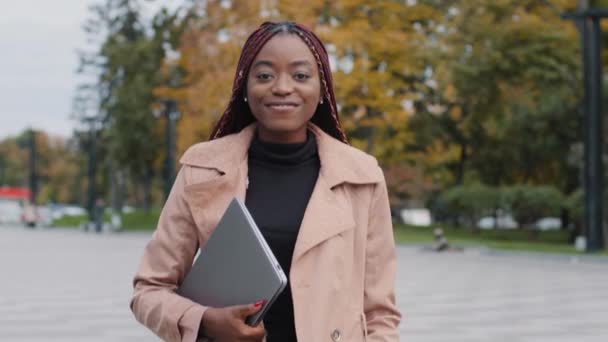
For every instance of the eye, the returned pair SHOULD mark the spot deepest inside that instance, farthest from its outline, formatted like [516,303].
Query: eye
[300,76]
[263,76]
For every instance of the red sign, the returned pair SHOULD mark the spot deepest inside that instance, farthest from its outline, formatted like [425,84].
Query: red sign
[14,193]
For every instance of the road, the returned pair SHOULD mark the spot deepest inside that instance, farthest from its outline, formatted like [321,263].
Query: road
[68,285]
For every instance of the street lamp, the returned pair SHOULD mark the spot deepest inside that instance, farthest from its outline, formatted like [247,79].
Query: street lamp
[33,176]
[93,122]
[28,142]
[589,22]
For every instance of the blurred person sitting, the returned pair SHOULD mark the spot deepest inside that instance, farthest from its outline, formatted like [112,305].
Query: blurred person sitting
[441,242]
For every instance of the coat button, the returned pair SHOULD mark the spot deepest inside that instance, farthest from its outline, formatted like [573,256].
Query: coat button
[336,335]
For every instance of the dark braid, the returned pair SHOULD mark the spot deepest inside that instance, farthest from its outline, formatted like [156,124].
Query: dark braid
[238,115]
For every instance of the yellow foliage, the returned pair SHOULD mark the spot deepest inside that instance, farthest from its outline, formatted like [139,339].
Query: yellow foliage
[377,38]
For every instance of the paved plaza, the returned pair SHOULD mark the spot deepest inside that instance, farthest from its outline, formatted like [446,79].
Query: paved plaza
[68,285]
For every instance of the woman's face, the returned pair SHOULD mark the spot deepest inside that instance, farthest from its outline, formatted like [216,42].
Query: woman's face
[283,89]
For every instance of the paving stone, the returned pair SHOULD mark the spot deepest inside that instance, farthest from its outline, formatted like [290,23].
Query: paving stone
[69,285]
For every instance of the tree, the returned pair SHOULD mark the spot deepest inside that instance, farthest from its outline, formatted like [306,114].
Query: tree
[378,67]
[500,91]
[213,33]
[128,64]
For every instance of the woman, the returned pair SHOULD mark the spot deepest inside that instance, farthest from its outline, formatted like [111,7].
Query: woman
[321,205]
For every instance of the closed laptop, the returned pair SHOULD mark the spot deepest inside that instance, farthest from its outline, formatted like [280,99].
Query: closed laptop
[235,267]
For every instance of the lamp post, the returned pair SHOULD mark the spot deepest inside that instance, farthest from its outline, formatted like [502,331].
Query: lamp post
[33,176]
[589,22]
[92,121]
[171,115]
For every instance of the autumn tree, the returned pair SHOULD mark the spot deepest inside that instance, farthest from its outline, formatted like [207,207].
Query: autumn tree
[58,166]
[377,63]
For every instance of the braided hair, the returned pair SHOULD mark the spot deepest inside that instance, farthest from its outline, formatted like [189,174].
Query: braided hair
[238,115]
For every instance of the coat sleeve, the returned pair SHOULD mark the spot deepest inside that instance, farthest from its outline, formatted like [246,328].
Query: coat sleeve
[381,312]
[166,260]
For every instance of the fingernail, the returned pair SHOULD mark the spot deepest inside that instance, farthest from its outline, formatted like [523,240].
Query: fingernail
[258,303]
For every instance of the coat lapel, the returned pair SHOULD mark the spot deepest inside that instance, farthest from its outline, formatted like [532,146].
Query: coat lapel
[329,211]
[326,215]
[209,199]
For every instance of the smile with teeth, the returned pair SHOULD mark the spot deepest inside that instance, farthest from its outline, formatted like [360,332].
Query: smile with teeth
[283,105]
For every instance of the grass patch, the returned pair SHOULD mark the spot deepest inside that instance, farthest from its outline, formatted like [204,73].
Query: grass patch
[70,221]
[515,240]
[138,220]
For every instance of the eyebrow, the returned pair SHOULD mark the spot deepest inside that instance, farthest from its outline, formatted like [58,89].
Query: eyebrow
[270,64]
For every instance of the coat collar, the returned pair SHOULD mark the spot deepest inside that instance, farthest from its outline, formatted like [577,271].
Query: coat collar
[328,212]
[340,163]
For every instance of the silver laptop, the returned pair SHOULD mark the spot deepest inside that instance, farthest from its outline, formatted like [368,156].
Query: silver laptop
[235,267]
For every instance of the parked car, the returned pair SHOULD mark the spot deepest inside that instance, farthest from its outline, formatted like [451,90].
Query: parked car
[548,223]
[45,218]
[58,211]
[10,212]
[502,222]
[416,217]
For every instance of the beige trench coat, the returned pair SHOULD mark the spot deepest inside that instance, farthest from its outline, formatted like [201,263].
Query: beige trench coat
[343,267]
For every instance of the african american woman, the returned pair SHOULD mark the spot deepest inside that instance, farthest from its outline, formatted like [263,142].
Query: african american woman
[321,205]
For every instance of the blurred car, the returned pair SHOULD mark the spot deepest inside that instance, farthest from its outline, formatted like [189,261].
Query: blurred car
[10,212]
[548,223]
[58,211]
[45,218]
[502,222]
[416,217]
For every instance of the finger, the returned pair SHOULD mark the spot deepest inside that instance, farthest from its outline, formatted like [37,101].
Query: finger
[256,333]
[243,311]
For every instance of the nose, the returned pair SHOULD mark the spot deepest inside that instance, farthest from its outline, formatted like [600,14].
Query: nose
[283,85]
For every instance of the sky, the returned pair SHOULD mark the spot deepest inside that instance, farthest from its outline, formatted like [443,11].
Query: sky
[38,62]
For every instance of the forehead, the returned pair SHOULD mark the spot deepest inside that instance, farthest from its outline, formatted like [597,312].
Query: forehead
[285,48]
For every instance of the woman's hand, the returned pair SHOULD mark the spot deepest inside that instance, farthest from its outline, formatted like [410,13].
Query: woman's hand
[228,324]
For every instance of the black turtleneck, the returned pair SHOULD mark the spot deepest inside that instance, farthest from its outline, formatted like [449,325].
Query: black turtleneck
[281,180]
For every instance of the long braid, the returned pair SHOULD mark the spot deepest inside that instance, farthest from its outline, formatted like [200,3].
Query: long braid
[238,115]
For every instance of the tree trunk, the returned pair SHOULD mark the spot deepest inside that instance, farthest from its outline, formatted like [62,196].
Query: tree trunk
[461,164]
[147,189]
[117,189]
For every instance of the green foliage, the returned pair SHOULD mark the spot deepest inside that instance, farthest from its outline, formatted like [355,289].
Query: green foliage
[501,92]
[575,203]
[530,203]
[472,201]
[526,203]
[129,66]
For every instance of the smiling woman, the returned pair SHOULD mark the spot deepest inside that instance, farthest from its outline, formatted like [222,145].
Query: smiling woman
[283,89]
[321,205]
